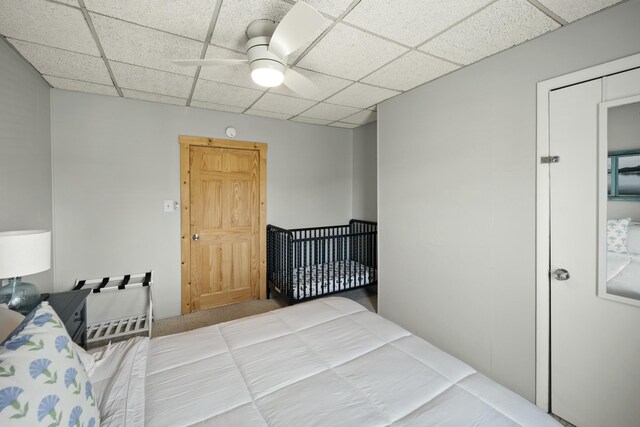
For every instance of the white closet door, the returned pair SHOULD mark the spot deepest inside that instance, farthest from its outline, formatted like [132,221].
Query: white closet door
[595,342]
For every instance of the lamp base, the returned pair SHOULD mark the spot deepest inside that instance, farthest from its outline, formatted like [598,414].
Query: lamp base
[19,296]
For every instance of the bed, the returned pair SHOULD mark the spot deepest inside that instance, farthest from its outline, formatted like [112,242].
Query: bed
[623,266]
[325,362]
[307,263]
[623,275]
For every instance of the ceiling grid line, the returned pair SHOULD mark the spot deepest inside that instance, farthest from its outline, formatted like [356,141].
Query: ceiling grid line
[544,9]
[320,102]
[137,24]
[325,32]
[64,4]
[254,102]
[207,40]
[92,29]
[51,47]
[458,22]
[406,46]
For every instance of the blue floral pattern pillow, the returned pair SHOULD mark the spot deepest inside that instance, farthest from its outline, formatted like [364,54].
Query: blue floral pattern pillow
[42,381]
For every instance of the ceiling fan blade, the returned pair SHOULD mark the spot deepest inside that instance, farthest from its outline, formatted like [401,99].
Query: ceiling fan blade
[205,62]
[297,28]
[299,84]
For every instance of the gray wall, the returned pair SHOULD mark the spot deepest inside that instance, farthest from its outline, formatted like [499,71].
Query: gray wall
[25,151]
[365,181]
[624,134]
[116,160]
[457,196]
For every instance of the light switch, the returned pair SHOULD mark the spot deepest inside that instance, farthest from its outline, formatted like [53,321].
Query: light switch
[170,205]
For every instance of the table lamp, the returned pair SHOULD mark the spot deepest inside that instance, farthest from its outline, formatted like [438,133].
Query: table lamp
[23,253]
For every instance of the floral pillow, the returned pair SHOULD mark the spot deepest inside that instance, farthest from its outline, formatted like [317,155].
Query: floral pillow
[42,380]
[617,235]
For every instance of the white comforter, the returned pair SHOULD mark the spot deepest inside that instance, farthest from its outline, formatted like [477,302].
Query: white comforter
[326,362]
[623,275]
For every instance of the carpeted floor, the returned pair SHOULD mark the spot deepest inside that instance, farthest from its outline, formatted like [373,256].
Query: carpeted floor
[366,296]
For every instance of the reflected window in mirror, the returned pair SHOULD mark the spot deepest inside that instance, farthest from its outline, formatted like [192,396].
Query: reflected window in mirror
[623,175]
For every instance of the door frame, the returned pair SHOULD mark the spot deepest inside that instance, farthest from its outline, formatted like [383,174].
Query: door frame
[186,142]
[543,238]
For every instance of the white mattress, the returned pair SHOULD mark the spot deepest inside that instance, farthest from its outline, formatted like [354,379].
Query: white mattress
[326,362]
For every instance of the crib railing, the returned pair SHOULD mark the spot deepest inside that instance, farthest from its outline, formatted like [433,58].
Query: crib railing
[306,263]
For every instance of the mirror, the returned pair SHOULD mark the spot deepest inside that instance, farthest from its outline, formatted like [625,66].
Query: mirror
[620,200]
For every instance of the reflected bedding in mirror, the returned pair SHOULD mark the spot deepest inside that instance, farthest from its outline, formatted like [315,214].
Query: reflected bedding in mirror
[623,268]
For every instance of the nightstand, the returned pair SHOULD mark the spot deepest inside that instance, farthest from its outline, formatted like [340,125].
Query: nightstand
[72,309]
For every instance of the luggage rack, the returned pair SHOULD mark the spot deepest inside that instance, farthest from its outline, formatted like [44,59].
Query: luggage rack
[125,326]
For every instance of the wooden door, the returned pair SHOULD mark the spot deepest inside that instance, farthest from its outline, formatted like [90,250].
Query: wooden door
[225,222]
[595,343]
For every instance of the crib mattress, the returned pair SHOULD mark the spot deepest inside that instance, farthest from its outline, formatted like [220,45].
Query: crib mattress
[331,277]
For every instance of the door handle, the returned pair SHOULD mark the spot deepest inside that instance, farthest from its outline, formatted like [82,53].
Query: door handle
[561,274]
[196,237]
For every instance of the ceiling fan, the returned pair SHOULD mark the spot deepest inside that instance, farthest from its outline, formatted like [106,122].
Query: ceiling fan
[269,45]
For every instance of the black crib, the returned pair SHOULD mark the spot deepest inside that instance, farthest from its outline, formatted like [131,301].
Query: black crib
[308,263]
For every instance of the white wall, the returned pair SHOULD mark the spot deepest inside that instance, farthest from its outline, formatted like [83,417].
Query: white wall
[25,151]
[115,160]
[457,196]
[365,173]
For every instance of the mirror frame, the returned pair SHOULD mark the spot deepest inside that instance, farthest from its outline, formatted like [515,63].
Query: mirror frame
[603,197]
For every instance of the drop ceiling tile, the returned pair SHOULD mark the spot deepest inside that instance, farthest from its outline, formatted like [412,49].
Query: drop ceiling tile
[329,111]
[343,125]
[220,93]
[333,8]
[239,75]
[282,104]
[235,16]
[327,85]
[69,2]
[78,86]
[343,45]
[269,114]
[574,10]
[504,24]
[218,107]
[361,96]
[153,81]
[310,120]
[63,63]
[47,23]
[409,71]
[411,22]
[133,44]
[361,118]
[189,18]
[153,97]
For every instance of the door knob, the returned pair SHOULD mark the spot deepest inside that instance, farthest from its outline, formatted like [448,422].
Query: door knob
[561,274]
[196,237]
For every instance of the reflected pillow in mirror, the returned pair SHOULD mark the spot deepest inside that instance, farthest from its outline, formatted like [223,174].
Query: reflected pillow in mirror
[617,235]
[633,238]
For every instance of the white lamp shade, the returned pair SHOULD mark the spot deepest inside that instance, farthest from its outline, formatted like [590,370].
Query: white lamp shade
[24,252]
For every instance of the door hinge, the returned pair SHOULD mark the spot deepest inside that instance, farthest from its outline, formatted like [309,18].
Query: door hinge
[550,159]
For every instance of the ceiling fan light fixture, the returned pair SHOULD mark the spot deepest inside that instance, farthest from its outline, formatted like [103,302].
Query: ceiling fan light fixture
[267,73]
